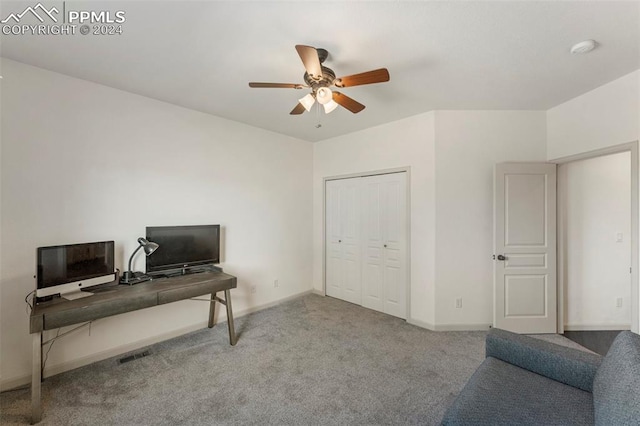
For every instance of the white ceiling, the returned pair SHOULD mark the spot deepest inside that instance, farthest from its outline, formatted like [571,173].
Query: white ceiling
[440,55]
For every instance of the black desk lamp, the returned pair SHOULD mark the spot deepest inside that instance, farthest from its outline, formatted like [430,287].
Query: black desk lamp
[130,277]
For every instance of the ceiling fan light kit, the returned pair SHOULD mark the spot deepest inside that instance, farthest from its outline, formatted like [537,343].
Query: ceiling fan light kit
[320,78]
[330,106]
[307,102]
[324,95]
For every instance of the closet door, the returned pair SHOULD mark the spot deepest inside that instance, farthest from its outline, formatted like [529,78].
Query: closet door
[373,257]
[343,244]
[384,243]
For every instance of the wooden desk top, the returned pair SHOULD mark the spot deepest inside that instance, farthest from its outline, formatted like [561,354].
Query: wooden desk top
[60,312]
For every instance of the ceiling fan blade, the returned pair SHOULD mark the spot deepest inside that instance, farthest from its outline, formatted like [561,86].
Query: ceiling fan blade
[299,109]
[376,76]
[277,85]
[311,61]
[345,101]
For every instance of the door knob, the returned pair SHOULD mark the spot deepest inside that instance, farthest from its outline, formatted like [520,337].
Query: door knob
[501,257]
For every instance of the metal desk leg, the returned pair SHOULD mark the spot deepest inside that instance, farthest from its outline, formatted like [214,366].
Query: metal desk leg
[232,331]
[36,378]
[212,309]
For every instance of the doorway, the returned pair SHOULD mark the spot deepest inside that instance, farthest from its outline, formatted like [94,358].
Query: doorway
[596,233]
[598,243]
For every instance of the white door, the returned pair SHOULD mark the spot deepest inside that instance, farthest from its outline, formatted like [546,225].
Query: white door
[384,248]
[343,240]
[525,247]
[366,241]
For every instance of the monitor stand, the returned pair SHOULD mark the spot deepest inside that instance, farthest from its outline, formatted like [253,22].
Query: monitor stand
[76,295]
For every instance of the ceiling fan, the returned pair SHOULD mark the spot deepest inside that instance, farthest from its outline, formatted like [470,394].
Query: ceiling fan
[320,78]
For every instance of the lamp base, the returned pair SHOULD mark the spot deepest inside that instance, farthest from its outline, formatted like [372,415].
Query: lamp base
[131,278]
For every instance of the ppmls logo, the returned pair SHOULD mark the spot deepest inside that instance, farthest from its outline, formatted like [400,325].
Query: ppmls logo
[69,22]
[16,17]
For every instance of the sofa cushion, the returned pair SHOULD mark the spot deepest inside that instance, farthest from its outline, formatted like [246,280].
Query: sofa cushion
[616,388]
[499,393]
[567,365]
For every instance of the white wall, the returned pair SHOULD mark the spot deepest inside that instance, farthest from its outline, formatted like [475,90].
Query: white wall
[79,161]
[603,117]
[404,143]
[597,208]
[468,145]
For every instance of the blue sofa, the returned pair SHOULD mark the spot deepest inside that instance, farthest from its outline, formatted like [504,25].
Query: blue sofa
[527,381]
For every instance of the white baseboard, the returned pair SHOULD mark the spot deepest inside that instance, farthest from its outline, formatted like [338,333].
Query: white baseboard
[449,327]
[14,382]
[421,324]
[318,292]
[462,327]
[271,304]
[593,327]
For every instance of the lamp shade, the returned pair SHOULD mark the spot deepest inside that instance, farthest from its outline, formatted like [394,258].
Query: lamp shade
[307,102]
[330,106]
[148,246]
[324,95]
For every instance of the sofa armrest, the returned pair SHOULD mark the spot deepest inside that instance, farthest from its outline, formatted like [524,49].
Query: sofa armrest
[616,399]
[566,365]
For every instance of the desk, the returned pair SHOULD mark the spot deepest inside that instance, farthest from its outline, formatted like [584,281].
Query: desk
[118,300]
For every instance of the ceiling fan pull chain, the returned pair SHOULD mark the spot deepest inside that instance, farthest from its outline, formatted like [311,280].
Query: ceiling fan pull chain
[318,116]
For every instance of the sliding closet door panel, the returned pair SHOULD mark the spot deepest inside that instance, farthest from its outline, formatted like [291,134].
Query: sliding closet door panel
[395,244]
[373,261]
[351,243]
[343,245]
[333,276]
[384,241]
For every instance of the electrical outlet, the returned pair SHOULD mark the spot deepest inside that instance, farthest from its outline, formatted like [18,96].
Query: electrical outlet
[253,289]
[619,302]
[459,303]
[276,284]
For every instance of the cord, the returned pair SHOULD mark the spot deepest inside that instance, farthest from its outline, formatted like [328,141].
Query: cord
[53,340]
[26,300]
[46,356]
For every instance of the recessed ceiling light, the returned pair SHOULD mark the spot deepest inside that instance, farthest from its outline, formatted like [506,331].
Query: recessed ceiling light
[583,47]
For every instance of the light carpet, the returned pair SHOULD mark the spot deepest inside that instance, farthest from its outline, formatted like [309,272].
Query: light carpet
[311,361]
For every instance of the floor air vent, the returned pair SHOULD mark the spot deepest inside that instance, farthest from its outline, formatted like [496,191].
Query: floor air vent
[134,356]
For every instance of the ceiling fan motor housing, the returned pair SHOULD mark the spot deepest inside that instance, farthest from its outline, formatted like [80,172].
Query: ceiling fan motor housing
[328,76]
